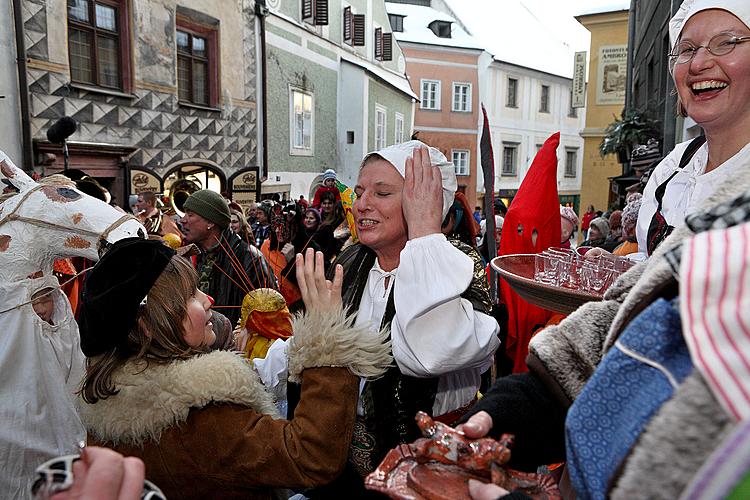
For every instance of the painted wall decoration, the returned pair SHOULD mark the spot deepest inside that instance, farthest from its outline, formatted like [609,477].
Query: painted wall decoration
[611,74]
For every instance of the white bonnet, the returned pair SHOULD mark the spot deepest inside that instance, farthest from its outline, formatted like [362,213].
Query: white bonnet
[740,8]
[397,154]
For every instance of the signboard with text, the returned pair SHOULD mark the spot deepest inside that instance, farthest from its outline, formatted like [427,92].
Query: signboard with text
[143,181]
[611,74]
[245,186]
[579,80]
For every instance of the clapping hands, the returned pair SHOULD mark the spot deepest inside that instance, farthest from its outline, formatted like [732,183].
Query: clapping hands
[318,293]
[423,195]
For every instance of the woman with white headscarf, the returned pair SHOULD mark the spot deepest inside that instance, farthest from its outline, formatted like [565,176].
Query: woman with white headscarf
[630,391]
[432,294]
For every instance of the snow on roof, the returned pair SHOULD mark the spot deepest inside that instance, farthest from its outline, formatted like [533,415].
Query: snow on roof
[416,27]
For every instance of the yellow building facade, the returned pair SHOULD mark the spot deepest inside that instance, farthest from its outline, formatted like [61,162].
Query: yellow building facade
[604,102]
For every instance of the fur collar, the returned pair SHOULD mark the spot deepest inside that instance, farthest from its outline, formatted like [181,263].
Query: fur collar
[154,397]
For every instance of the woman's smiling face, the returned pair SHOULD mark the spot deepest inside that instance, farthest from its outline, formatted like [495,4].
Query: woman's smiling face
[715,90]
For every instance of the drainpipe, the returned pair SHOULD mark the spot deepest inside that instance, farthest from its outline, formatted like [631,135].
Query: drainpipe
[631,43]
[23,88]
[261,11]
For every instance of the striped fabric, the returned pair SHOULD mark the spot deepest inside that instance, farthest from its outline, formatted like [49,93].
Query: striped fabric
[715,310]
[725,473]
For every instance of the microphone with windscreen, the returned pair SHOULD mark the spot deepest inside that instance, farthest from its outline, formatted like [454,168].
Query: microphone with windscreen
[61,130]
[58,132]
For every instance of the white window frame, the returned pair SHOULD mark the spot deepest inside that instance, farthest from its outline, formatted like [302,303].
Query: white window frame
[423,104]
[398,128]
[381,129]
[456,103]
[514,146]
[461,168]
[571,168]
[295,148]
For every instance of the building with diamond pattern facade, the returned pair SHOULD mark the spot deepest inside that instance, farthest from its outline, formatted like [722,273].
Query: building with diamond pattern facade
[160,91]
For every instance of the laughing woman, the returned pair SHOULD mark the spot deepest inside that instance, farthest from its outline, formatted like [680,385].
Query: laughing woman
[201,421]
[710,65]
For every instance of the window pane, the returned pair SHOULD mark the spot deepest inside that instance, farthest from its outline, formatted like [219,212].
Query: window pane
[183,78]
[80,56]
[108,64]
[182,41]
[78,10]
[200,82]
[106,17]
[307,128]
[199,46]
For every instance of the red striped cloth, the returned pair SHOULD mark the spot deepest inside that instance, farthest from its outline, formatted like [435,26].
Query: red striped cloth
[715,310]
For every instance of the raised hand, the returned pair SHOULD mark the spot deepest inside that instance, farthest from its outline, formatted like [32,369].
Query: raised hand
[423,195]
[318,293]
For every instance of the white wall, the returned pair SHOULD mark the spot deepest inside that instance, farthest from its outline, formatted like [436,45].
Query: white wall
[10,125]
[528,127]
[352,115]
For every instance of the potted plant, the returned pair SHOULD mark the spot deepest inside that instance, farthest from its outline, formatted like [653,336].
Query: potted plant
[623,134]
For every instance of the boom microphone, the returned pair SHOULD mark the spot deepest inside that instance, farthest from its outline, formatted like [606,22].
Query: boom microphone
[61,130]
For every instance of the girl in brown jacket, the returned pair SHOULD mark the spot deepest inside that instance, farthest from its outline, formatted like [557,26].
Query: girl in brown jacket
[202,421]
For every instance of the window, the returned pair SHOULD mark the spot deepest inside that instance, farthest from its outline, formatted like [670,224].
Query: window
[442,29]
[354,28]
[510,153]
[462,97]
[315,12]
[98,43]
[397,22]
[380,114]
[544,101]
[399,136]
[572,112]
[511,101]
[430,94]
[461,161]
[383,45]
[571,159]
[301,121]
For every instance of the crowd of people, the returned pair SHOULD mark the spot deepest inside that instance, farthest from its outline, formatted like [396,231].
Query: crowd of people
[277,350]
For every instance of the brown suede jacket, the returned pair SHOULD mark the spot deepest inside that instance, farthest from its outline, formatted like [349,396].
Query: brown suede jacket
[206,428]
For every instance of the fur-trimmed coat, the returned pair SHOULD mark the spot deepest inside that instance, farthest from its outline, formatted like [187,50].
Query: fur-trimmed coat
[206,428]
[562,358]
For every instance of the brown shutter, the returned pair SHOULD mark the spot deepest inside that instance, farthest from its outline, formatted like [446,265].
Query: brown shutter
[307,9]
[348,25]
[379,44]
[321,12]
[358,23]
[387,46]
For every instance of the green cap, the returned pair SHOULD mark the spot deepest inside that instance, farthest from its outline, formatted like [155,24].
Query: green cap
[210,205]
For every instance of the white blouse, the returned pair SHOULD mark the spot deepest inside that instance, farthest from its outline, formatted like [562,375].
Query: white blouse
[434,332]
[687,190]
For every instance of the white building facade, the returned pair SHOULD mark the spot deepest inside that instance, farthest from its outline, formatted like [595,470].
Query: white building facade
[525,106]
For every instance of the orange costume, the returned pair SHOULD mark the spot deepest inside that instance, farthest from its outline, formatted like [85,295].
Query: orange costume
[265,318]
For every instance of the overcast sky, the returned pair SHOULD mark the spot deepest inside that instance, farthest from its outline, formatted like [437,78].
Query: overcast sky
[541,34]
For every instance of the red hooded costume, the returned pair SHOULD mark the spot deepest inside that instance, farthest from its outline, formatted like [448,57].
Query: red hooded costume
[531,225]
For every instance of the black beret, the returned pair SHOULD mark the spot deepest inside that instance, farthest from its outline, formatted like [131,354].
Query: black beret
[114,290]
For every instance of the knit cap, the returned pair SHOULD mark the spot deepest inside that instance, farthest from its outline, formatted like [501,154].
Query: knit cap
[329,174]
[210,205]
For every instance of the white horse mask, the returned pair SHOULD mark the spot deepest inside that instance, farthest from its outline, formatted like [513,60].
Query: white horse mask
[45,222]
[42,364]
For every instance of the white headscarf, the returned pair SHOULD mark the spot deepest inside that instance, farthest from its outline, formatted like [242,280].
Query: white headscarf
[740,8]
[397,154]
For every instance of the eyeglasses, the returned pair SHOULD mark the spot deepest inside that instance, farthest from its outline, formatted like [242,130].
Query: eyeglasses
[720,45]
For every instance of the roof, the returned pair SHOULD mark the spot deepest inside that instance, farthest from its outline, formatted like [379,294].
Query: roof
[416,27]
[611,6]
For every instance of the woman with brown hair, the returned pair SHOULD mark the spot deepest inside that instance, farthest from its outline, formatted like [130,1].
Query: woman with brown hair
[202,421]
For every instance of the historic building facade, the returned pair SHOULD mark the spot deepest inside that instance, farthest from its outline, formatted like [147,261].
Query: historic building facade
[160,90]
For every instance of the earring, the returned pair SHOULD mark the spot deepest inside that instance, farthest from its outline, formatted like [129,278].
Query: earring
[210,227]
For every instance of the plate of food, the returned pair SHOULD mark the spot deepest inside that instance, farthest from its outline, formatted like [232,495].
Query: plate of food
[518,271]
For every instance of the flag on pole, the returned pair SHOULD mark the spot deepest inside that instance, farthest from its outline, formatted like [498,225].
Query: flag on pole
[488,169]
[347,200]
